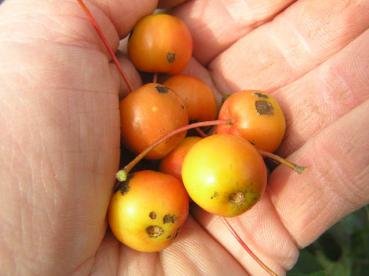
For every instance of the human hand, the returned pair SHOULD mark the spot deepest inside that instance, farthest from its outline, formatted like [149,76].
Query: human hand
[60,131]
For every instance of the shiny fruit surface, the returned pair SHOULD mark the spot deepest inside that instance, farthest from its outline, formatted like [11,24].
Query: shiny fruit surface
[198,97]
[148,210]
[172,163]
[255,116]
[147,114]
[224,174]
[160,43]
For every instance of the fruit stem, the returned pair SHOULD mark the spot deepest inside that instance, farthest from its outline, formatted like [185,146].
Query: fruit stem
[248,250]
[122,174]
[201,132]
[105,42]
[293,166]
[155,78]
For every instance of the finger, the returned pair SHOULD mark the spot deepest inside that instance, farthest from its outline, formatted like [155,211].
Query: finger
[193,252]
[326,93]
[215,25]
[196,69]
[170,3]
[303,36]
[261,230]
[65,22]
[55,22]
[125,13]
[133,77]
[196,253]
[335,182]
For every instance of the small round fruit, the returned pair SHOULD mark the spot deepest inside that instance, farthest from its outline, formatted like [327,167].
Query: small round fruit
[197,96]
[148,210]
[149,113]
[255,116]
[172,163]
[224,174]
[160,43]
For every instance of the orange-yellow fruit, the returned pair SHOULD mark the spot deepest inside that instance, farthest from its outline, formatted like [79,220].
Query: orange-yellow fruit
[148,211]
[197,96]
[172,163]
[149,113]
[160,43]
[255,116]
[224,174]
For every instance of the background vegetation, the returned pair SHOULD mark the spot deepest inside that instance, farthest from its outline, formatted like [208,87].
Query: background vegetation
[342,251]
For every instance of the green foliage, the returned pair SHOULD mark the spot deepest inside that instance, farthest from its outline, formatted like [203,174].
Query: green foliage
[342,251]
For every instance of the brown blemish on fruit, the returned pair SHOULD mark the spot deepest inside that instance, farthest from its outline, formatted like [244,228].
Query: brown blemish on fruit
[123,187]
[162,89]
[154,231]
[169,218]
[171,57]
[169,237]
[264,107]
[214,195]
[152,215]
[261,95]
[237,198]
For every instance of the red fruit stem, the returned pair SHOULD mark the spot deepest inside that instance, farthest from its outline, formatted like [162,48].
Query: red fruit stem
[248,250]
[293,166]
[155,78]
[201,132]
[122,174]
[105,42]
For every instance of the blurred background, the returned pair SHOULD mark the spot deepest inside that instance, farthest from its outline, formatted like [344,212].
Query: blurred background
[342,251]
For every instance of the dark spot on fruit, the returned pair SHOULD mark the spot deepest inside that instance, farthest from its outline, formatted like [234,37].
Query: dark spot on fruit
[264,107]
[123,187]
[152,215]
[169,218]
[214,195]
[162,89]
[154,231]
[252,142]
[182,106]
[171,57]
[169,237]
[261,95]
[237,198]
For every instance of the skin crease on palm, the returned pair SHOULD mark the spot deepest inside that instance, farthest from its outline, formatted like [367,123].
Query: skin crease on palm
[59,122]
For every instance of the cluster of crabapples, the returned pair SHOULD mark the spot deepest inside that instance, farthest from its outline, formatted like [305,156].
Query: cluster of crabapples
[223,173]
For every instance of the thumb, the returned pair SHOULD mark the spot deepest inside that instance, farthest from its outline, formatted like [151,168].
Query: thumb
[65,22]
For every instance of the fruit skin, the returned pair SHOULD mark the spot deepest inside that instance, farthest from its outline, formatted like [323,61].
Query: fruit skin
[265,129]
[172,163]
[160,43]
[224,174]
[150,199]
[197,96]
[147,114]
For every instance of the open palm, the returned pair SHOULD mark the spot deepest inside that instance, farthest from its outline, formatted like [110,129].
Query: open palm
[59,122]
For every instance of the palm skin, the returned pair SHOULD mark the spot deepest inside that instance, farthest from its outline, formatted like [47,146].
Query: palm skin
[59,122]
